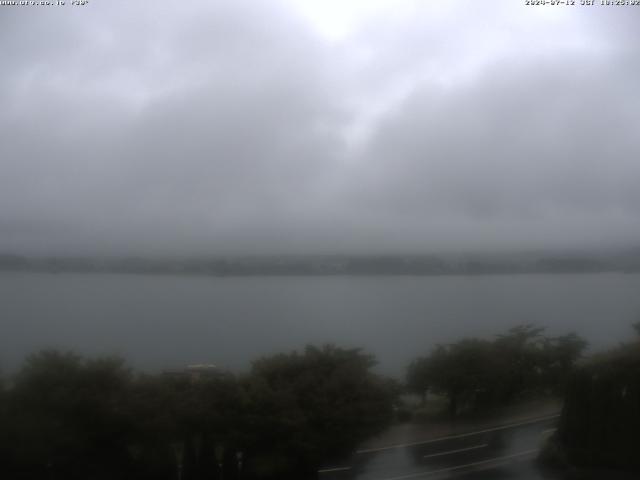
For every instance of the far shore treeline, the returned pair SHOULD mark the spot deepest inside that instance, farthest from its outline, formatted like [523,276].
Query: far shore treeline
[64,416]
[627,261]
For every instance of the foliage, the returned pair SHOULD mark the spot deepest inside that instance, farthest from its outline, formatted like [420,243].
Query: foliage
[600,422]
[475,373]
[328,401]
[68,417]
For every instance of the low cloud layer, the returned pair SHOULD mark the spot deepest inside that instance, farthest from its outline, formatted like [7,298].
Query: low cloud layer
[318,127]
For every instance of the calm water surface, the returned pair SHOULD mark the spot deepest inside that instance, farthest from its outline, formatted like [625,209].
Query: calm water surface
[168,321]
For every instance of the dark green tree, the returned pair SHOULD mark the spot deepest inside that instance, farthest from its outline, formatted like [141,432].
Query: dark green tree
[475,373]
[418,378]
[67,418]
[559,357]
[181,422]
[521,357]
[317,405]
[462,371]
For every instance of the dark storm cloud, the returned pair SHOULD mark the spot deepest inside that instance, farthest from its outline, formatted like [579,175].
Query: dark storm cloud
[241,127]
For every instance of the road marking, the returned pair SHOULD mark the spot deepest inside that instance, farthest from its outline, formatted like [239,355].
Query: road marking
[461,435]
[548,431]
[460,467]
[336,469]
[450,452]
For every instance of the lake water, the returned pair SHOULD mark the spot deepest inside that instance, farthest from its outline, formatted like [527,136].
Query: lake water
[159,322]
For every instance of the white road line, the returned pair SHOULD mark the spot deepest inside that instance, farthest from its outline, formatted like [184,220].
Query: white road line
[461,435]
[451,452]
[548,431]
[498,460]
[336,469]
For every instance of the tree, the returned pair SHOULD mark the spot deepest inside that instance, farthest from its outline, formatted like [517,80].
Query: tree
[317,405]
[67,419]
[180,422]
[560,355]
[462,371]
[4,420]
[418,378]
[600,422]
[521,352]
[75,418]
[474,373]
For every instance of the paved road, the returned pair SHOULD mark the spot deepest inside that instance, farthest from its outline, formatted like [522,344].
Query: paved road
[500,452]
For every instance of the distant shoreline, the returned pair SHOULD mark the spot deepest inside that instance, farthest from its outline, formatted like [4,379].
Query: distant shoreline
[322,266]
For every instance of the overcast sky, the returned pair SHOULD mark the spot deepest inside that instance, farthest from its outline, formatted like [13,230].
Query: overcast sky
[318,126]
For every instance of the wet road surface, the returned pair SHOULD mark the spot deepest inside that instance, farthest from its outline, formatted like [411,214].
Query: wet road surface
[500,452]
